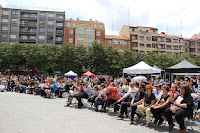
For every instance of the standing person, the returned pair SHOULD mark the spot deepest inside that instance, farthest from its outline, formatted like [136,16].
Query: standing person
[128,79]
[184,109]
[148,101]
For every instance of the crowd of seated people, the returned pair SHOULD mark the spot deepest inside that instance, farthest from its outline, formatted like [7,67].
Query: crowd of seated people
[143,98]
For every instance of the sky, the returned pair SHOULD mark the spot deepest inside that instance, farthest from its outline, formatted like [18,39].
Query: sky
[171,16]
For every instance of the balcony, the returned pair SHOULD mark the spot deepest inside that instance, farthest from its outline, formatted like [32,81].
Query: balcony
[27,32]
[59,33]
[27,40]
[176,48]
[32,17]
[29,24]
[169,48]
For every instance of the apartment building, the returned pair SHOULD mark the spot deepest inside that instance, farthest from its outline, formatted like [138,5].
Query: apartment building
[31,26]
[192,45]
[147,39]
[119,42]
[81,32]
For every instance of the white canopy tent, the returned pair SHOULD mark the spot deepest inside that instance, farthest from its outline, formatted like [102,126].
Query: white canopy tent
[141,68]
[138,78]
[71,73]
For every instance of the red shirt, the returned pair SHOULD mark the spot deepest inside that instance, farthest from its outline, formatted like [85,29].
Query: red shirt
[113,93]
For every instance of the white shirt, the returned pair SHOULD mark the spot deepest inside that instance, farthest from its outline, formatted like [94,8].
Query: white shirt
[132,90]
[102,93]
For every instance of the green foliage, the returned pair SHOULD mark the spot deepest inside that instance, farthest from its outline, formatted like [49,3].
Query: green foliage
[98,59]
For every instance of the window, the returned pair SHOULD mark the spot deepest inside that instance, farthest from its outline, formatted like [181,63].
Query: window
[148,38]
[13,28]
[42,22]
[98,41]
[148,45]
[5,12]
[32,37]
[80,40]
[71,32]
[50,22]
[42,14]
[58,38]
[32,30]
[5,20]
[169,53]
[89,31]
[70,40]
[59,24]
[142,52]
[68,24]
[147,31]
[11,43]
[42,29]
[41,37]
[23,37]
[115,42]
[13,36]
[14,13]
[133,38]
[175,41]
[13,20]
[141,37]
[95,25]
[4,27]
[60,17]
[50,29]
[98,33]
[100,26]
[89,40]
[80,31]
[141,45]
[50,15]
[133,30]
[121,42]
[74,24]
[109,42]
[4,35]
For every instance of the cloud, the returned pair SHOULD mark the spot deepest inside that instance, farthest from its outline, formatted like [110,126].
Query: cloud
[116,13]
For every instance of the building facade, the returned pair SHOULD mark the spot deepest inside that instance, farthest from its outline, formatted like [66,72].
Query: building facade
[81,32]
[31,26]
[147,39]
[119,42]
[192,45]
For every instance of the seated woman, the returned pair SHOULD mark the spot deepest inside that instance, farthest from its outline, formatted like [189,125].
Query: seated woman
[112,96]
[160,106]
[125,87]
[184,109]
[148,101]
[95,93]
[101,96]
[173,93]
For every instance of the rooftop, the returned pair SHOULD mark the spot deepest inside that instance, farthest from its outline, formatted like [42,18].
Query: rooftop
[196,36]
[83,21]
[116,37]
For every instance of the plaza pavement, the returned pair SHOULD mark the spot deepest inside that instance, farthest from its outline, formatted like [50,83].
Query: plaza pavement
[24,113]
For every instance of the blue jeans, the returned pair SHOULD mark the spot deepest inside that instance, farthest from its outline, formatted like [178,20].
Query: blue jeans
[97,101]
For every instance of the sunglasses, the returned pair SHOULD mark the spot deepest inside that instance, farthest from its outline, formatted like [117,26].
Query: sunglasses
[148,88]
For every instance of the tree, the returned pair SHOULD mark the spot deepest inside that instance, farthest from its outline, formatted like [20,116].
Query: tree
[4,56]
[17,54]
[97,57]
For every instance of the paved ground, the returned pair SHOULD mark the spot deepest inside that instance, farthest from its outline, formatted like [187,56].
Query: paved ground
[24,113]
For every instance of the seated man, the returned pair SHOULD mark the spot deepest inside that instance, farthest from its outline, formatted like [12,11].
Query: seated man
[53,87]
[31,86]
[86,93]
[138,97]
[157,92]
